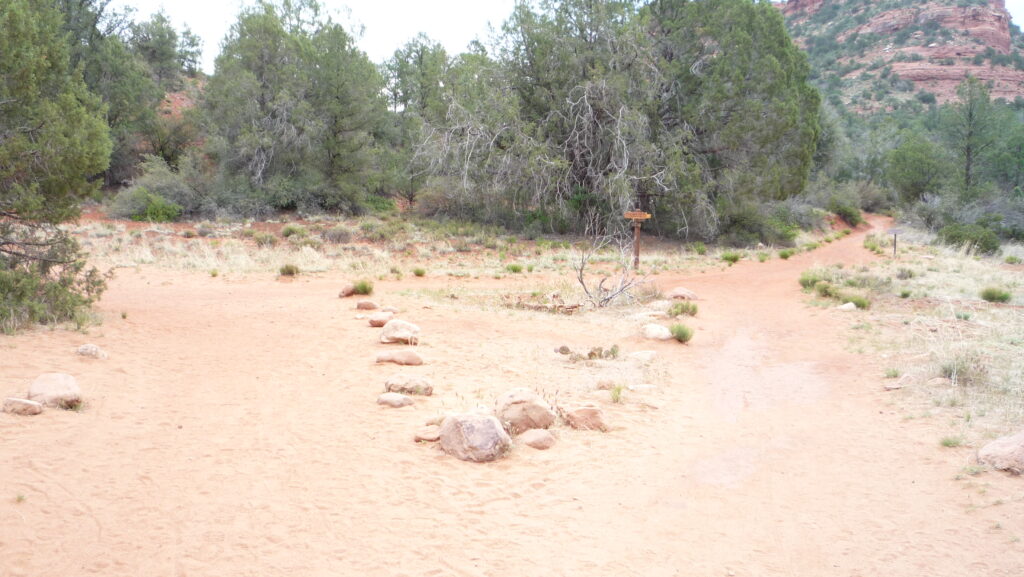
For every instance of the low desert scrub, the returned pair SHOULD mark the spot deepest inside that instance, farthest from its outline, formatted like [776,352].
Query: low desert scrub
[731,257]
[514,268]
[419,271]
[264,239]
[363,287]
[1012,259]
[681,332]
[337,235]
[951,442]
[288,270]
[616,393]
[292,229]
[995,295]
[959,355]
[785,253]
[682,308]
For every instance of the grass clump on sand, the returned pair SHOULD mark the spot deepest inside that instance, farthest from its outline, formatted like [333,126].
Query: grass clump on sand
[681,332]
[363,287]
[683,308]
[731,257]
[289,270]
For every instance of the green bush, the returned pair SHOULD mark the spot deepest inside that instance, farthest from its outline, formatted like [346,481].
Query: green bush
[786,253]
[811,277]
[683,308]
[699,248]
[844,210]
[137,203]
[363,287]
[1012,260]
[825,289]
[514,268]
[681,332]
[47,293]
[731,257]
[289,270]
[292,229]
[858,301]
[972,236]
[419,271]
[996,295]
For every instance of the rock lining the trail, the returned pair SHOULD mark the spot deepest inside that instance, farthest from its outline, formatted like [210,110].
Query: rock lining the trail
[428,434]
[58,390]
[22,407]
[380,319]
[474,437]
[409,385]
[399,331]
[366,306]
[347,290]
[682,293]
[540,439]
[1004,454]
[586,418]
[406,358]
[394,400]
[522,409]
[656,332]
[91,350]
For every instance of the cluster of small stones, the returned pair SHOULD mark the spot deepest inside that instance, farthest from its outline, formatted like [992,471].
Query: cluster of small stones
[481,435]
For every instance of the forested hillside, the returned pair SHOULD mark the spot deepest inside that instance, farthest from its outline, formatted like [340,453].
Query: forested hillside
[704,113]
[877,55]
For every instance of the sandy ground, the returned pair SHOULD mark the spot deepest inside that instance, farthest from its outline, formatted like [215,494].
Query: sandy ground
[234,431]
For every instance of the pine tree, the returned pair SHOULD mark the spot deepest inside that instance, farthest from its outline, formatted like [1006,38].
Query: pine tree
[52,139]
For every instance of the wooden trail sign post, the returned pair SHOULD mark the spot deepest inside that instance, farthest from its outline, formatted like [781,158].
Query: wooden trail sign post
[638,217]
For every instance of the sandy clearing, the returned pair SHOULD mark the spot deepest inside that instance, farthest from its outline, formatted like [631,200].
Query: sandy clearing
[233,431]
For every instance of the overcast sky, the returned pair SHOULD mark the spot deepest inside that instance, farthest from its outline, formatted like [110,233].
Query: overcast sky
[387,24]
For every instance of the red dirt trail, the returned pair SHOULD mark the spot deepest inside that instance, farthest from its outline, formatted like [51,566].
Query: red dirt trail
[234,431]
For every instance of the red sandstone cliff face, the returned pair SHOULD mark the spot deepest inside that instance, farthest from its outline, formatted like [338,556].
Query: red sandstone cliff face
[805,7]
[937,66]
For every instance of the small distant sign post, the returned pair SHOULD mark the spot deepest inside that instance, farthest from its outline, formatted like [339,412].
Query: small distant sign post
[638,217]
[894,232]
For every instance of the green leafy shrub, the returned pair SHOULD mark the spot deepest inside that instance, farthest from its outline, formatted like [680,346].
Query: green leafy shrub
[514,268]
[292,229]
[1012,260]
[699,248]
[825,289]
[419,271]
[363,287]
[846,211]
[731,257]
[996,295]
[137,203]
[681,332]
[786,253]
[859,301]
[289,270]
[972,236]
[48,293]
[683,308]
